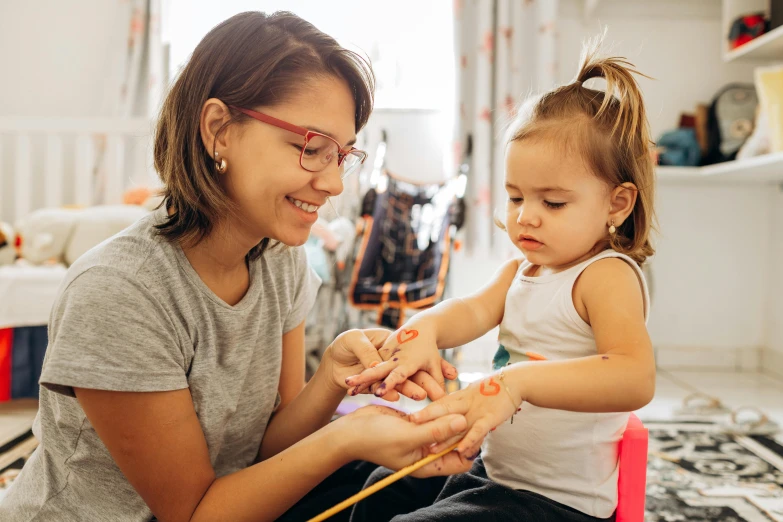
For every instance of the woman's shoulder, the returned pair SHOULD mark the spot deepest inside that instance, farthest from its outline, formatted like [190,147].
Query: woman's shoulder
[133,254]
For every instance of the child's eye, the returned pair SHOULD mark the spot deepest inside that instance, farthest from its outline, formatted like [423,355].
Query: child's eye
[515,201]
[551,204]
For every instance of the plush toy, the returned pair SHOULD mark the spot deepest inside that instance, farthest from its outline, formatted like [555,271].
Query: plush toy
[7,244]
[64,234]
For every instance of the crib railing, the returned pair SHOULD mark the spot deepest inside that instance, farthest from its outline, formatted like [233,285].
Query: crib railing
[47,162]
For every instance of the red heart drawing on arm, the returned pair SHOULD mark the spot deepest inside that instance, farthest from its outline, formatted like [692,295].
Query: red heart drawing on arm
[407,335]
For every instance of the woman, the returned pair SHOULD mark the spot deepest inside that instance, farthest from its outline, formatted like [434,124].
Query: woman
[173,384]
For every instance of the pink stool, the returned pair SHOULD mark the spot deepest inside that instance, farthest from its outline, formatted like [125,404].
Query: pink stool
[632,483]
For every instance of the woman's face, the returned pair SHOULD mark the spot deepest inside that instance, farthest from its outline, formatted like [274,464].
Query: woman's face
[264,177]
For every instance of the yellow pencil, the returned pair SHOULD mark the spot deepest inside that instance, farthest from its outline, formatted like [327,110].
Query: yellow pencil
[380,485]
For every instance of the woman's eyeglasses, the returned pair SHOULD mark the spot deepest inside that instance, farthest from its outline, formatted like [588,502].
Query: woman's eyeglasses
[318,150]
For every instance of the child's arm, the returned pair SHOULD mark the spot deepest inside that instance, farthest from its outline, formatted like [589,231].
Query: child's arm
[451,323]
[621,377]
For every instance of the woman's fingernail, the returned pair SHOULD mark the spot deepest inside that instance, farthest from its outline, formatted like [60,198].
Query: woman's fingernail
[355,391]
[374,364]
[472,457]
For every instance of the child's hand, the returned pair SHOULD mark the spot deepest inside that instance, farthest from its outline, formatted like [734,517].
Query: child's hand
[353,351]
[411,355]
[485,405]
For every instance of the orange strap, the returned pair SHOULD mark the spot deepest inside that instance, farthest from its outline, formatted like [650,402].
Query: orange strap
[384,304]
[403,303]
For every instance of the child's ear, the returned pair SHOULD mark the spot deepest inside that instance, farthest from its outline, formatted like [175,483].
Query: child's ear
[621,202]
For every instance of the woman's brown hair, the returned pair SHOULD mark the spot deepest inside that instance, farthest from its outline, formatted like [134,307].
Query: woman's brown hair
[609,129]
[250,60]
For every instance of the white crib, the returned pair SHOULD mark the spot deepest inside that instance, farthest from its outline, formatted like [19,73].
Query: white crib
[50,162]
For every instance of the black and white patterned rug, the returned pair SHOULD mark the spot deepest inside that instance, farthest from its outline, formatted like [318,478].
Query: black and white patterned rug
[696,472]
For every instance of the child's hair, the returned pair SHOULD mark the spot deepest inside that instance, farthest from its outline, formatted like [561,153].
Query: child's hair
[609,130]
[250,60]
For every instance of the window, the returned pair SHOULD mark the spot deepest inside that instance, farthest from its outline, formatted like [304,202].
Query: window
[409,42]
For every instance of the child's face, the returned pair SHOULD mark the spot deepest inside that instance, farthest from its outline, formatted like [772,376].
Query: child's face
[557,210]
[264,174]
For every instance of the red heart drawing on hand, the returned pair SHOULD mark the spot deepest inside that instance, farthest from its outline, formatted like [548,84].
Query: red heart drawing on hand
[409,335]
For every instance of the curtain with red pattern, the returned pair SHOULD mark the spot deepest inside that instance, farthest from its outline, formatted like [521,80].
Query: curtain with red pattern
[505,50]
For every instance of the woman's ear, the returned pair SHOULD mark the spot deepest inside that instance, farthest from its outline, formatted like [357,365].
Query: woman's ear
[621,202]
[214,114]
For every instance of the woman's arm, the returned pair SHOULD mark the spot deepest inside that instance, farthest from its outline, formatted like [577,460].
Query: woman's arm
[156,440]
[305,409]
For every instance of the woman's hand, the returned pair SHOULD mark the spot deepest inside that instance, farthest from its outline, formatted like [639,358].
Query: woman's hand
[485,405]
[386,437]
[410,354]
[354,350]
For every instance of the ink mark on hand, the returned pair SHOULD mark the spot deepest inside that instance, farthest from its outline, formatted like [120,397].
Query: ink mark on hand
[495,388]
[407,335]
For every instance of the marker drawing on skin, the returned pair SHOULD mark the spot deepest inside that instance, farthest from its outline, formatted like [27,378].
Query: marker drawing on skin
[403,336]
[489,393]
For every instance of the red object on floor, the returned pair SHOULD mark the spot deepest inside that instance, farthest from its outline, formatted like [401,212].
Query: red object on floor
[6,348]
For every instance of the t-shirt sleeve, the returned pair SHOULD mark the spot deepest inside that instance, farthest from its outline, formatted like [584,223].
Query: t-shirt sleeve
[108,332]
[306,284]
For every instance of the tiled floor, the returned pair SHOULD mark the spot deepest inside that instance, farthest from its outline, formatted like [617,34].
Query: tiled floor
[732,388]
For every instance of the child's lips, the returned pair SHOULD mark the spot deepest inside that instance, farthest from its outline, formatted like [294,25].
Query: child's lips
[529,243]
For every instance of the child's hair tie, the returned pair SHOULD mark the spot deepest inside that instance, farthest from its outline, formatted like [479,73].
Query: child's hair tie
[578,83]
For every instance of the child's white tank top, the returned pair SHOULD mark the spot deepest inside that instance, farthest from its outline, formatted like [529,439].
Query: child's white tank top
[569,457]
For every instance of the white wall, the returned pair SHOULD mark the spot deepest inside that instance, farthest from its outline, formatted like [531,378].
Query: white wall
[55,56]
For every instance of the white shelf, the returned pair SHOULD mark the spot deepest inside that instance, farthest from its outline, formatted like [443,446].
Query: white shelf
[766,47]
[767,169]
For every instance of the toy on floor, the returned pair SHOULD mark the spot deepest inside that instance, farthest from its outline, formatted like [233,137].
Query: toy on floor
[63,234]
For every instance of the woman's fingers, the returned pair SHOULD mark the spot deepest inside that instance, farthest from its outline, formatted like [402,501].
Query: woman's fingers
[377,336]
[428,384]
[363,348]
[445,406]
[449,371]
[439,430]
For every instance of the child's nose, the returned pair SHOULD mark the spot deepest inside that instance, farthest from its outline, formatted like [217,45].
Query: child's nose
[528,216]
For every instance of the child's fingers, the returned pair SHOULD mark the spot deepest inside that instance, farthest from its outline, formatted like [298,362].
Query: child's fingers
[445,406]
[429,384]
[449,464]
[410,390]
[397,376]
[370,375]
[474,438]
[449,371]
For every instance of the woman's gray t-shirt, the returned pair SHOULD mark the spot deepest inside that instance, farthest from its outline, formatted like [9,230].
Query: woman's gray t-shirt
[133,315]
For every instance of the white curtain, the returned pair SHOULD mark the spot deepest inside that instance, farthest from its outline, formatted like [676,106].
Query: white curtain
[134,88]
[505,49]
